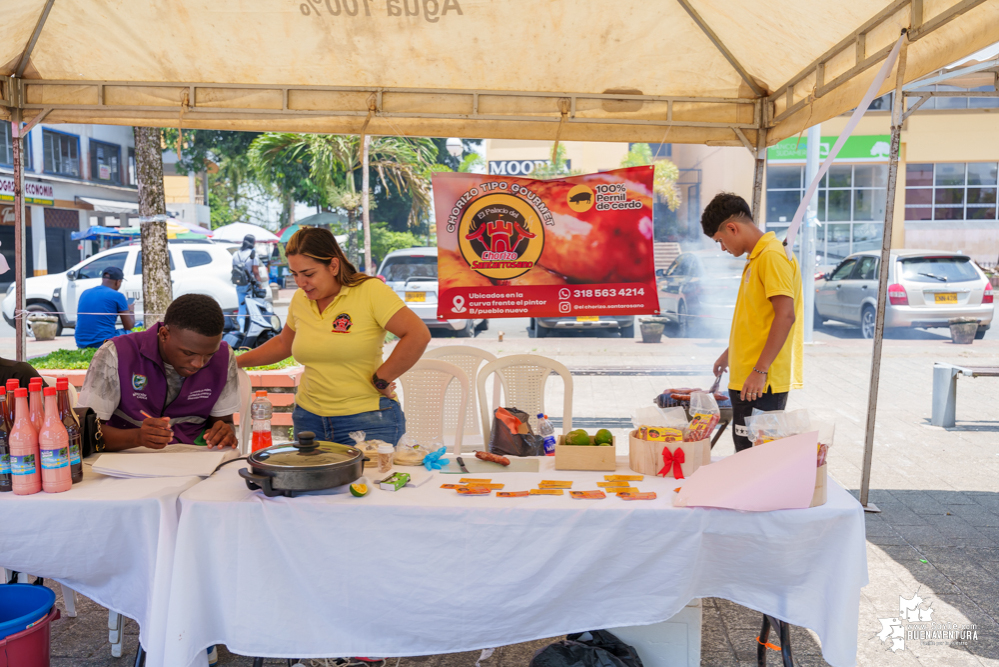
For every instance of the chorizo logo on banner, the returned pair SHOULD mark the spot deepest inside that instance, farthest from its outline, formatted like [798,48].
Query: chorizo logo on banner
[516,247]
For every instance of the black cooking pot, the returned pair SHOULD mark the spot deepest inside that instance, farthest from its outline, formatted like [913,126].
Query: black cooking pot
[306,465]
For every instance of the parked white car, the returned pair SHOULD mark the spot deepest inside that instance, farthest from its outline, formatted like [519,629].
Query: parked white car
[197,267]
[412,273]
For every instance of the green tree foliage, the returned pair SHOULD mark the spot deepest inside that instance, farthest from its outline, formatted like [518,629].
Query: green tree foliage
[666,176]
[384,241]
[557,169]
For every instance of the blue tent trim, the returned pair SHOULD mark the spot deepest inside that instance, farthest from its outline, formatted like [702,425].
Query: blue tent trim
[95,232]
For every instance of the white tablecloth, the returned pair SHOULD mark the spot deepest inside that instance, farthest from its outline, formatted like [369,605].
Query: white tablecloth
[111,540]
[425,571]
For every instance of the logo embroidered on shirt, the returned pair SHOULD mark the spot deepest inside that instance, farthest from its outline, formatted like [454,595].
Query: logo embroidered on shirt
[139,382]
[342,323]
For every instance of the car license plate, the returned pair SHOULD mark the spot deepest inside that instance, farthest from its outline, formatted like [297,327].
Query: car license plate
[416,297]
[945,297]
[587,319]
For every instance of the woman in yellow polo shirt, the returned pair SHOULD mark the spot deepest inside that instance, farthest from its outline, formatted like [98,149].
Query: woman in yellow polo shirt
[336,328]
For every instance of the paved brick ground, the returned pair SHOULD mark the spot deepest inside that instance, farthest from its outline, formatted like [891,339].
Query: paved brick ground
[937,535]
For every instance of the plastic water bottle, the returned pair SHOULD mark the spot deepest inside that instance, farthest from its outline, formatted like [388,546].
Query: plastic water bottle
[548,433]
[260,411]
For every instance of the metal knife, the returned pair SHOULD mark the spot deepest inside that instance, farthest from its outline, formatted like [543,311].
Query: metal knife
[461,464]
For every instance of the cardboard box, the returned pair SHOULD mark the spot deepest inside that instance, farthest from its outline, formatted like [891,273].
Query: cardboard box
[582,457]
[646,457]
[819,497]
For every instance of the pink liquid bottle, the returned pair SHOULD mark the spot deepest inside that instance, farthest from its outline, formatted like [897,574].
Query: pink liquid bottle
[25,467]
[35,402]
[53,443]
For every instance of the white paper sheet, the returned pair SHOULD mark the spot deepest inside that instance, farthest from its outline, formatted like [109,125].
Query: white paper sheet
[157,464]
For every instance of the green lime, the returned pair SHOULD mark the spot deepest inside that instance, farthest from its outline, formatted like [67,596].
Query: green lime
[604,437]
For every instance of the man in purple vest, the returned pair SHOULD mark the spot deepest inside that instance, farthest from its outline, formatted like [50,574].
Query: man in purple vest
[176,382]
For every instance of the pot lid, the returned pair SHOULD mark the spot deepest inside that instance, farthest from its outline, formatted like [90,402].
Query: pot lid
[306,453]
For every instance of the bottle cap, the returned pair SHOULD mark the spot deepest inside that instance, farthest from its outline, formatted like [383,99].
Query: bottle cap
[386,449]
[261,393]
[62,383]
[49,391]
[540,416]
[35,381]
[20,392]
[13,384]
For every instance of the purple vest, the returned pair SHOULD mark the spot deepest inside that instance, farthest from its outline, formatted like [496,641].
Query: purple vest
[144,386]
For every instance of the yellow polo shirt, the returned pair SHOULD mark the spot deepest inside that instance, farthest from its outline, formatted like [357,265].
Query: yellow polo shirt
[341,347]
[768,273]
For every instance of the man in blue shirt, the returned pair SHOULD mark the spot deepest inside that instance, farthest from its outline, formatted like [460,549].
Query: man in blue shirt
[99,308]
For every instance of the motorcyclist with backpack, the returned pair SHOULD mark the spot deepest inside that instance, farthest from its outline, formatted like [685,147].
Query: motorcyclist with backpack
[246,274]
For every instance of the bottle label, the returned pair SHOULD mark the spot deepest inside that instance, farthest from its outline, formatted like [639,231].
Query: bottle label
[4,464]
[74,454]
[53,459]
[23,465]
[549,444]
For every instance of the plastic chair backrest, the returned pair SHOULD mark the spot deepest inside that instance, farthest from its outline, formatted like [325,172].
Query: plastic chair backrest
[524,377]
[424,388]
[245,421]
[468,359]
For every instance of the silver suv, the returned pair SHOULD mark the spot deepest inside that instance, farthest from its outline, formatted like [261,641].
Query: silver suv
[926,288]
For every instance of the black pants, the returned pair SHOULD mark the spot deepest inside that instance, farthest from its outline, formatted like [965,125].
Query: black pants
[742,409]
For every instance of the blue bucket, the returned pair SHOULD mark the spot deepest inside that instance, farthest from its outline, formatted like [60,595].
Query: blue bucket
[23,605]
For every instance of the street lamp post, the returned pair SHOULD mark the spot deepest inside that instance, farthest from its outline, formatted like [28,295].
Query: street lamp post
[455,147]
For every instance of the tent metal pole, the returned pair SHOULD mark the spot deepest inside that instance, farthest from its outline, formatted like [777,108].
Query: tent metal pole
[758,174]
[884,266]
[20,234]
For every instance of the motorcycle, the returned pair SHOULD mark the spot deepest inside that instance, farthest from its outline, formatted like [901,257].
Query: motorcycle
[258,326]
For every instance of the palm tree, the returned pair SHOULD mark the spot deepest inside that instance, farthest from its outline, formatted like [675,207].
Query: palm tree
[400,162]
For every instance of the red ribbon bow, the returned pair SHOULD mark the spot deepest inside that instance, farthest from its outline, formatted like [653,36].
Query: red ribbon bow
[673,459]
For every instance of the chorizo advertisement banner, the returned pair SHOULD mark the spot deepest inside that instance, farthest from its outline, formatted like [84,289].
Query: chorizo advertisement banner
[516,247]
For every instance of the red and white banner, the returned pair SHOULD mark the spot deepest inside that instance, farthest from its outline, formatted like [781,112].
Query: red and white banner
[517,247]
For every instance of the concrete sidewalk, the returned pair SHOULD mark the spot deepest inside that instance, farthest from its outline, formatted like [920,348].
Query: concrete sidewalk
[937,536]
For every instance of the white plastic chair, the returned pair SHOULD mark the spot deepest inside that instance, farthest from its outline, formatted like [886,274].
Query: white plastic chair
[245,430]
[424,388]
[524,377]
[469,359]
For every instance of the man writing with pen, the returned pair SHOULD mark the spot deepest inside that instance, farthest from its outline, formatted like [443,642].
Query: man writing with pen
[176,382]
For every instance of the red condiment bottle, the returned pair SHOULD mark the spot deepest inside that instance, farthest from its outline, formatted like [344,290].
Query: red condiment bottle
[72,424]
[25,467]
[53,446]
[35,402]
[12,384]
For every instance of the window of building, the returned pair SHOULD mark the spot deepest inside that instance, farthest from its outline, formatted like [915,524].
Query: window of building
[62,153]
[7,147]
[105,162]
[960,102]
[951,191]
[851,206]
[132,180]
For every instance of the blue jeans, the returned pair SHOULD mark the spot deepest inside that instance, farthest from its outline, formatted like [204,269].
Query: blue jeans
[388,424]
[241,292]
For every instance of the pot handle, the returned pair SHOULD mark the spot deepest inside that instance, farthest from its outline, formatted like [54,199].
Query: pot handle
[262,482]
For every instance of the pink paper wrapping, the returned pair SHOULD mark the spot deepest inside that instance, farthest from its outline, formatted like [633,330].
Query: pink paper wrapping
[775,476]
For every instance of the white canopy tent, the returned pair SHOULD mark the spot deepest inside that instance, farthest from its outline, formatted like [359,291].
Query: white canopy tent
[235,232]
[675,71]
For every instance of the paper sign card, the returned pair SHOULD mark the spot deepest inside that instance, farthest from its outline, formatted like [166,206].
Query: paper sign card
[775,476]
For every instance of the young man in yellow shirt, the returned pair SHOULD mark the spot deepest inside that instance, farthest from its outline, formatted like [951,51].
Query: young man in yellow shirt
[765,345]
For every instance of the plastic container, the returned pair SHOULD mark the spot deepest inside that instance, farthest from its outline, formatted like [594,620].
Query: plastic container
[26,477]
[26,615]
[36,403]
[547,432]
[53,446]
[385,454]
[72,424]
[260,412]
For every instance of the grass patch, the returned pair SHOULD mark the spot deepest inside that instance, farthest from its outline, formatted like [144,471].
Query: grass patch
[79,360]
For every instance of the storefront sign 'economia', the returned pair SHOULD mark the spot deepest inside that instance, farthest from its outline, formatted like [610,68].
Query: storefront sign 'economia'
[516,247]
